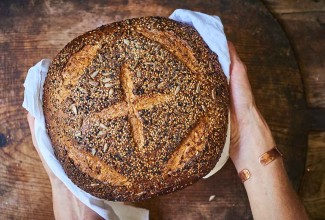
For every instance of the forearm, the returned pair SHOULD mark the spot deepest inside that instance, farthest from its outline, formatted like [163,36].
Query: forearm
[269,191]
[271,195]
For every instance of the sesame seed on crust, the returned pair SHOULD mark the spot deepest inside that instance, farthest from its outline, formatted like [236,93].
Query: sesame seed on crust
[136,109]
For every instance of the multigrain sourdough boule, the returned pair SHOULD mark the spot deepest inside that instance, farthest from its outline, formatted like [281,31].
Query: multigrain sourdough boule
[136,109]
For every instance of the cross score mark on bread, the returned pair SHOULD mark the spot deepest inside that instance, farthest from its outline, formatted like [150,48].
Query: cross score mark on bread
[189,147]
[131,105]
[136,109]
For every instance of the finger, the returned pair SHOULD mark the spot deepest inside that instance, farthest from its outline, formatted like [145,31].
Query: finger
[30,118]
[236,64]
[238,72]
[241,96]
[232,51]
[31,122]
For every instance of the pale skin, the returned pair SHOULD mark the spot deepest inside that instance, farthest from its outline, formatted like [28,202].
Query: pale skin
[65,204]
[270,193]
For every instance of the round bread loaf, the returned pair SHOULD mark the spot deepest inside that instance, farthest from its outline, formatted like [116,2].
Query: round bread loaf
[136,109]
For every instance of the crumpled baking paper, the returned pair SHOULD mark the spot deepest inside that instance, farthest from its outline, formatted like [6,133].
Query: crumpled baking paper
[209,27]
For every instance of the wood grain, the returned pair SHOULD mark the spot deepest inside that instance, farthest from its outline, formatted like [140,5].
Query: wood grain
[317,118]
[304,23]
[279,7]
[313,183]
[25,190]
[32,30]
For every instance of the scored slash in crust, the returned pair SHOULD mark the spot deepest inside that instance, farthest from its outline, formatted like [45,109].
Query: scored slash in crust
[136,109]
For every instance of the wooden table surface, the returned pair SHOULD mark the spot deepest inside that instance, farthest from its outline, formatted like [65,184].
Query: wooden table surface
[304,23]
[32,30]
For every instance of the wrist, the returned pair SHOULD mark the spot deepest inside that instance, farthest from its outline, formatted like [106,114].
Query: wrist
[258,171]
[254,139]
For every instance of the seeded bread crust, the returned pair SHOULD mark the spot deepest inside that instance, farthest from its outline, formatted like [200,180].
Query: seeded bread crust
[136,109]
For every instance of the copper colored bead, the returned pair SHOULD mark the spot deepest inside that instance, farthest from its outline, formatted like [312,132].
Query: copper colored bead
[269,156]
[244,175]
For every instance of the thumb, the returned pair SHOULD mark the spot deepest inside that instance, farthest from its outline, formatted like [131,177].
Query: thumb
[241,95]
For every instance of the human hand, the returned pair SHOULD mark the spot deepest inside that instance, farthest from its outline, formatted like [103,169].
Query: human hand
[250,135]
[270,193]
[31,123]
[65,204]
